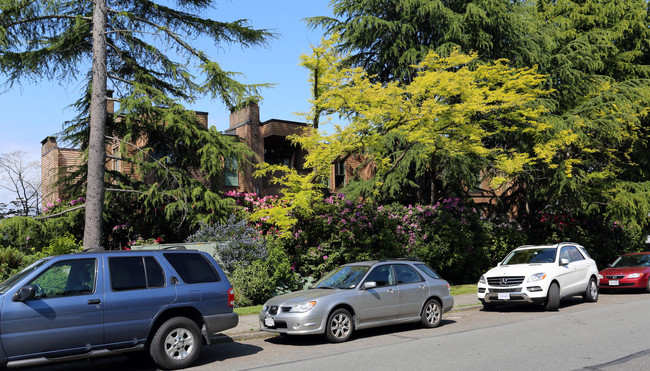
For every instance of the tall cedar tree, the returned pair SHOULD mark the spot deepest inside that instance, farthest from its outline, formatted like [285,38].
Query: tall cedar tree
[141,50]
[599,70]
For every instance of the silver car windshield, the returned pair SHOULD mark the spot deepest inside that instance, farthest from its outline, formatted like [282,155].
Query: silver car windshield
[346,277]
[531,256]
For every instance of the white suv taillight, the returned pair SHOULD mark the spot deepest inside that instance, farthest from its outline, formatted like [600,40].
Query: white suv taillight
[231,298]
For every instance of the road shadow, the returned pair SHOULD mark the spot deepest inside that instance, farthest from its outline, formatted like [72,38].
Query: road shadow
[622,291]
[221,352]
[531,308]
[314,340]
[209,354]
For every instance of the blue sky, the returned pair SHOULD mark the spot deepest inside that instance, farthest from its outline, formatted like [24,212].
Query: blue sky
[32,112]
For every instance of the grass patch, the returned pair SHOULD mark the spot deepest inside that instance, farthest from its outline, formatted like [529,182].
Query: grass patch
[463,289]
[248,310]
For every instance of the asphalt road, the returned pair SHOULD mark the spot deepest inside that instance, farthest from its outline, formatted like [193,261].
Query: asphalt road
[611,334]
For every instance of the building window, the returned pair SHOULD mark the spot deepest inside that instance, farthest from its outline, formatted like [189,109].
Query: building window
[231,174]
[339,174]
[117,163]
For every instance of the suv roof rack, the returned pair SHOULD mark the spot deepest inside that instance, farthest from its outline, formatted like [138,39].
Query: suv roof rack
[93,249]
[179,247]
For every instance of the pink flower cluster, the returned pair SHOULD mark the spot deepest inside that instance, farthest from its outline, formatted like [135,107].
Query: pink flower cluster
[51,206]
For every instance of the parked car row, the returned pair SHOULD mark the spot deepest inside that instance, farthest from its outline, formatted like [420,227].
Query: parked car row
[543,275]
[166,303]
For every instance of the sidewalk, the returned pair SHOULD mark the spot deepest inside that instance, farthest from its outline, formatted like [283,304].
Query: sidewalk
[248,327]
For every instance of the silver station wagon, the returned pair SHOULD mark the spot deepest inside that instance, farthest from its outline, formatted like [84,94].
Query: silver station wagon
[361,295]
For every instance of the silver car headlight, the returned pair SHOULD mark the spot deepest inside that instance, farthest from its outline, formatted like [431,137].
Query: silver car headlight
[482,280]
[634,275]
[303,307]
[536,277]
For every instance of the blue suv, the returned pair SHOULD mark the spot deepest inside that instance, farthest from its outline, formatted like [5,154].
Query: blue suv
[96,303]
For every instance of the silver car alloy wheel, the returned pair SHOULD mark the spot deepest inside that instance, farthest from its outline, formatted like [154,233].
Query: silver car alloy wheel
[432,312]
[340,325]
[179,343]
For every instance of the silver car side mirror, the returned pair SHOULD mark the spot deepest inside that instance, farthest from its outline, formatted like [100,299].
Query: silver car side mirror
[564,261]
[369,285]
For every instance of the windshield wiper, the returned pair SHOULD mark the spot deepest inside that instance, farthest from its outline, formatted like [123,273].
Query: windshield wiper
[325,287]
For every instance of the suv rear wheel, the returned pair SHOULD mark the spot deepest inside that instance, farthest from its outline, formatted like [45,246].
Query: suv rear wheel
[176,344]
[431,313]
[591,294]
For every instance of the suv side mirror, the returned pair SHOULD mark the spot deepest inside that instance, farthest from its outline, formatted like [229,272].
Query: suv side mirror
[369,285]
[564,261]
[25,293]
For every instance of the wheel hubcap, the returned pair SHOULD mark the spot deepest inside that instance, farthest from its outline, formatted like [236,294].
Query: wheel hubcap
[594,290]
[340,325]
[179,343]
[432,313]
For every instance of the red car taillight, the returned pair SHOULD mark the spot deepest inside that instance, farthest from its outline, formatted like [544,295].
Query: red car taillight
[231,298]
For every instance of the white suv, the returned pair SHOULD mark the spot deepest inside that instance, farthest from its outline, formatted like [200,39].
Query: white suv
[540,275]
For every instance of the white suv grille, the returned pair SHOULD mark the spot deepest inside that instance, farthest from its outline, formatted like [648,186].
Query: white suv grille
[505,281]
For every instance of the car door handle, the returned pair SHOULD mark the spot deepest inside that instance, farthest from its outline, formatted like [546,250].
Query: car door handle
[94,301]
[423,287]
[391,291]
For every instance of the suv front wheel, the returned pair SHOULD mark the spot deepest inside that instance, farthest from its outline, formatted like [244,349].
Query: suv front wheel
[553,298]
[176,344]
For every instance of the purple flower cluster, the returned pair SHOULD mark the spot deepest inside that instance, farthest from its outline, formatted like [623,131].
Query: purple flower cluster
[238,243]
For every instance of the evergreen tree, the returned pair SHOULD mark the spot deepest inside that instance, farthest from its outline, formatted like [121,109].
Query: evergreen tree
[141,50]
[593,153]
[389,37]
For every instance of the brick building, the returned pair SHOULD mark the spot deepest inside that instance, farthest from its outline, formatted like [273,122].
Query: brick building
[268,139]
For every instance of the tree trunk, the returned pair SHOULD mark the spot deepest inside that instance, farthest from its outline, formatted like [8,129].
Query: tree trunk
[96,146]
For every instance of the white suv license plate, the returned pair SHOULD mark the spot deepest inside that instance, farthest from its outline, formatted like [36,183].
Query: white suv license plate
[503,296]
[269,322]
[613,282]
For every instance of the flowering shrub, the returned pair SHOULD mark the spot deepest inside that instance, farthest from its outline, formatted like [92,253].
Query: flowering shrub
[450,236]
[237,242]
[59,205]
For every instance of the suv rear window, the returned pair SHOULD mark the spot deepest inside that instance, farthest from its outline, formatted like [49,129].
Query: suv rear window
[135,272]
[193,268]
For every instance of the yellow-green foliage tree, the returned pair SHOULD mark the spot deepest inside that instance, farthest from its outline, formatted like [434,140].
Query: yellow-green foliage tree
[453,105]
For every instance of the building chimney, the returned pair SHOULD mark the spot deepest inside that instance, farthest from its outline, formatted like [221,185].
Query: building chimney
[47,144]
[249,113]
[110,103]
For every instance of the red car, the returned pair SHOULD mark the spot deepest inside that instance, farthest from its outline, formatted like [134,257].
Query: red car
[629,271]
